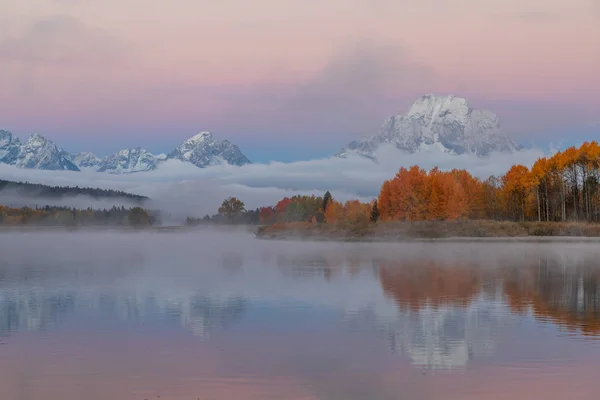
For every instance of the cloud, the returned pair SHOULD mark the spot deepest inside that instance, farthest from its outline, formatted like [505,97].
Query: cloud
[349,96]
[62,40]
[183,190]
[61,69]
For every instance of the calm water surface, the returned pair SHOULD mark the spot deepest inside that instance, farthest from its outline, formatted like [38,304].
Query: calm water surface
[225,316]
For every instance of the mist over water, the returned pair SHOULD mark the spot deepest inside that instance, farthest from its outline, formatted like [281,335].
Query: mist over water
[218,314]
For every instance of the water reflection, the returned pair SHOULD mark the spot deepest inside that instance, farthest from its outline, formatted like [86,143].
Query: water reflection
[332,320]
[444,312]
[36,310]
[562,290]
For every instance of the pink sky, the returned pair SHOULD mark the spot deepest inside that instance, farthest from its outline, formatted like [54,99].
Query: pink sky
[152,72]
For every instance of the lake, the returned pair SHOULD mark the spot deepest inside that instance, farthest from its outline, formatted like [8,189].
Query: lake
[221,315]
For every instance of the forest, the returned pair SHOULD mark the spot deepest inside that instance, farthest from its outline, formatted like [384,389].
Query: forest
[57,192]
[563,188]
[71,217]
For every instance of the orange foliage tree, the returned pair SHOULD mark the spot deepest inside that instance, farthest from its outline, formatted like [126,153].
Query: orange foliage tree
[334,212]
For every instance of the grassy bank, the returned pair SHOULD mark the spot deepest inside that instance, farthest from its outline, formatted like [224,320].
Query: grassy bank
[398,231]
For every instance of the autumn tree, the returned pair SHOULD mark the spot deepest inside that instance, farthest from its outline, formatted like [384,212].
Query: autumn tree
[299,209]
[232,208]
[439,186]
[517,183]
[335,212]
[410,194]
[384,201]
[266,215]
[357,213]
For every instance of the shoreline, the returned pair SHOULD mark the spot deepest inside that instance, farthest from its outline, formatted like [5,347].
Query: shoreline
[435,231]
[453,239]
[122,229]
[385,232]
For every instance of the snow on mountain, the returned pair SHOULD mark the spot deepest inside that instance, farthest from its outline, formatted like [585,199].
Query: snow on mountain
[201,150]
[444,122]
[128,161]
[204,150]
[86,160]
[9,145]
[39,153]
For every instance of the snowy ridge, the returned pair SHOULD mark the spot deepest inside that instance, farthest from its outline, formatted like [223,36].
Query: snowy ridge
[201,150]
[445,122]
[9,146]
[85,160]
[38,153]
[128,161]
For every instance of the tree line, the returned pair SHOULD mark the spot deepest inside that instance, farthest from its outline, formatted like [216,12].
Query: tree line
[39,190]
[311,209]
[66,216]
[564,187]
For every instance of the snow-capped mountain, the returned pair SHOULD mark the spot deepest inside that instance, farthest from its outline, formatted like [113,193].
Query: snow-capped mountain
[38,153]
[445,122]
[203,150]
[128,161]
[9,146]
[86,160]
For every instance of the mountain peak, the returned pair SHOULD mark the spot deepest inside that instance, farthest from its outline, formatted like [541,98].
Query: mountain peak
[38,153]
[37,140]
[9,146]
[203,149]
[431,104]
[7,138]
[445,122]
[85,159]
[201,137]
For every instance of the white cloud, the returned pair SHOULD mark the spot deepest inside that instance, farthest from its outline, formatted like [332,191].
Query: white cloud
[182,189]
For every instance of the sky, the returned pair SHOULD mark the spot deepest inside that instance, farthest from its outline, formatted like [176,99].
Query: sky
[290,80]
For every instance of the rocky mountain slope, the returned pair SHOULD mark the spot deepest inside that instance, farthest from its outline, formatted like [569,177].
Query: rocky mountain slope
[443,122]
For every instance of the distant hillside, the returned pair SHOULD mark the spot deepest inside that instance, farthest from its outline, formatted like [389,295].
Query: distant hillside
[59,192]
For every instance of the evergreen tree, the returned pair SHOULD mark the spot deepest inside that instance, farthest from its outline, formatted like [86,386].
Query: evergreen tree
[326,201]
[137,217]
[374,212]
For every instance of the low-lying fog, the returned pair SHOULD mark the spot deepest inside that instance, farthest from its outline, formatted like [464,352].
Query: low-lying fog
[224,262]
[182,190]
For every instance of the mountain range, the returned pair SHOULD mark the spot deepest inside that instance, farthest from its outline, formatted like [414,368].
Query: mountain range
[446,123]
[201,150]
